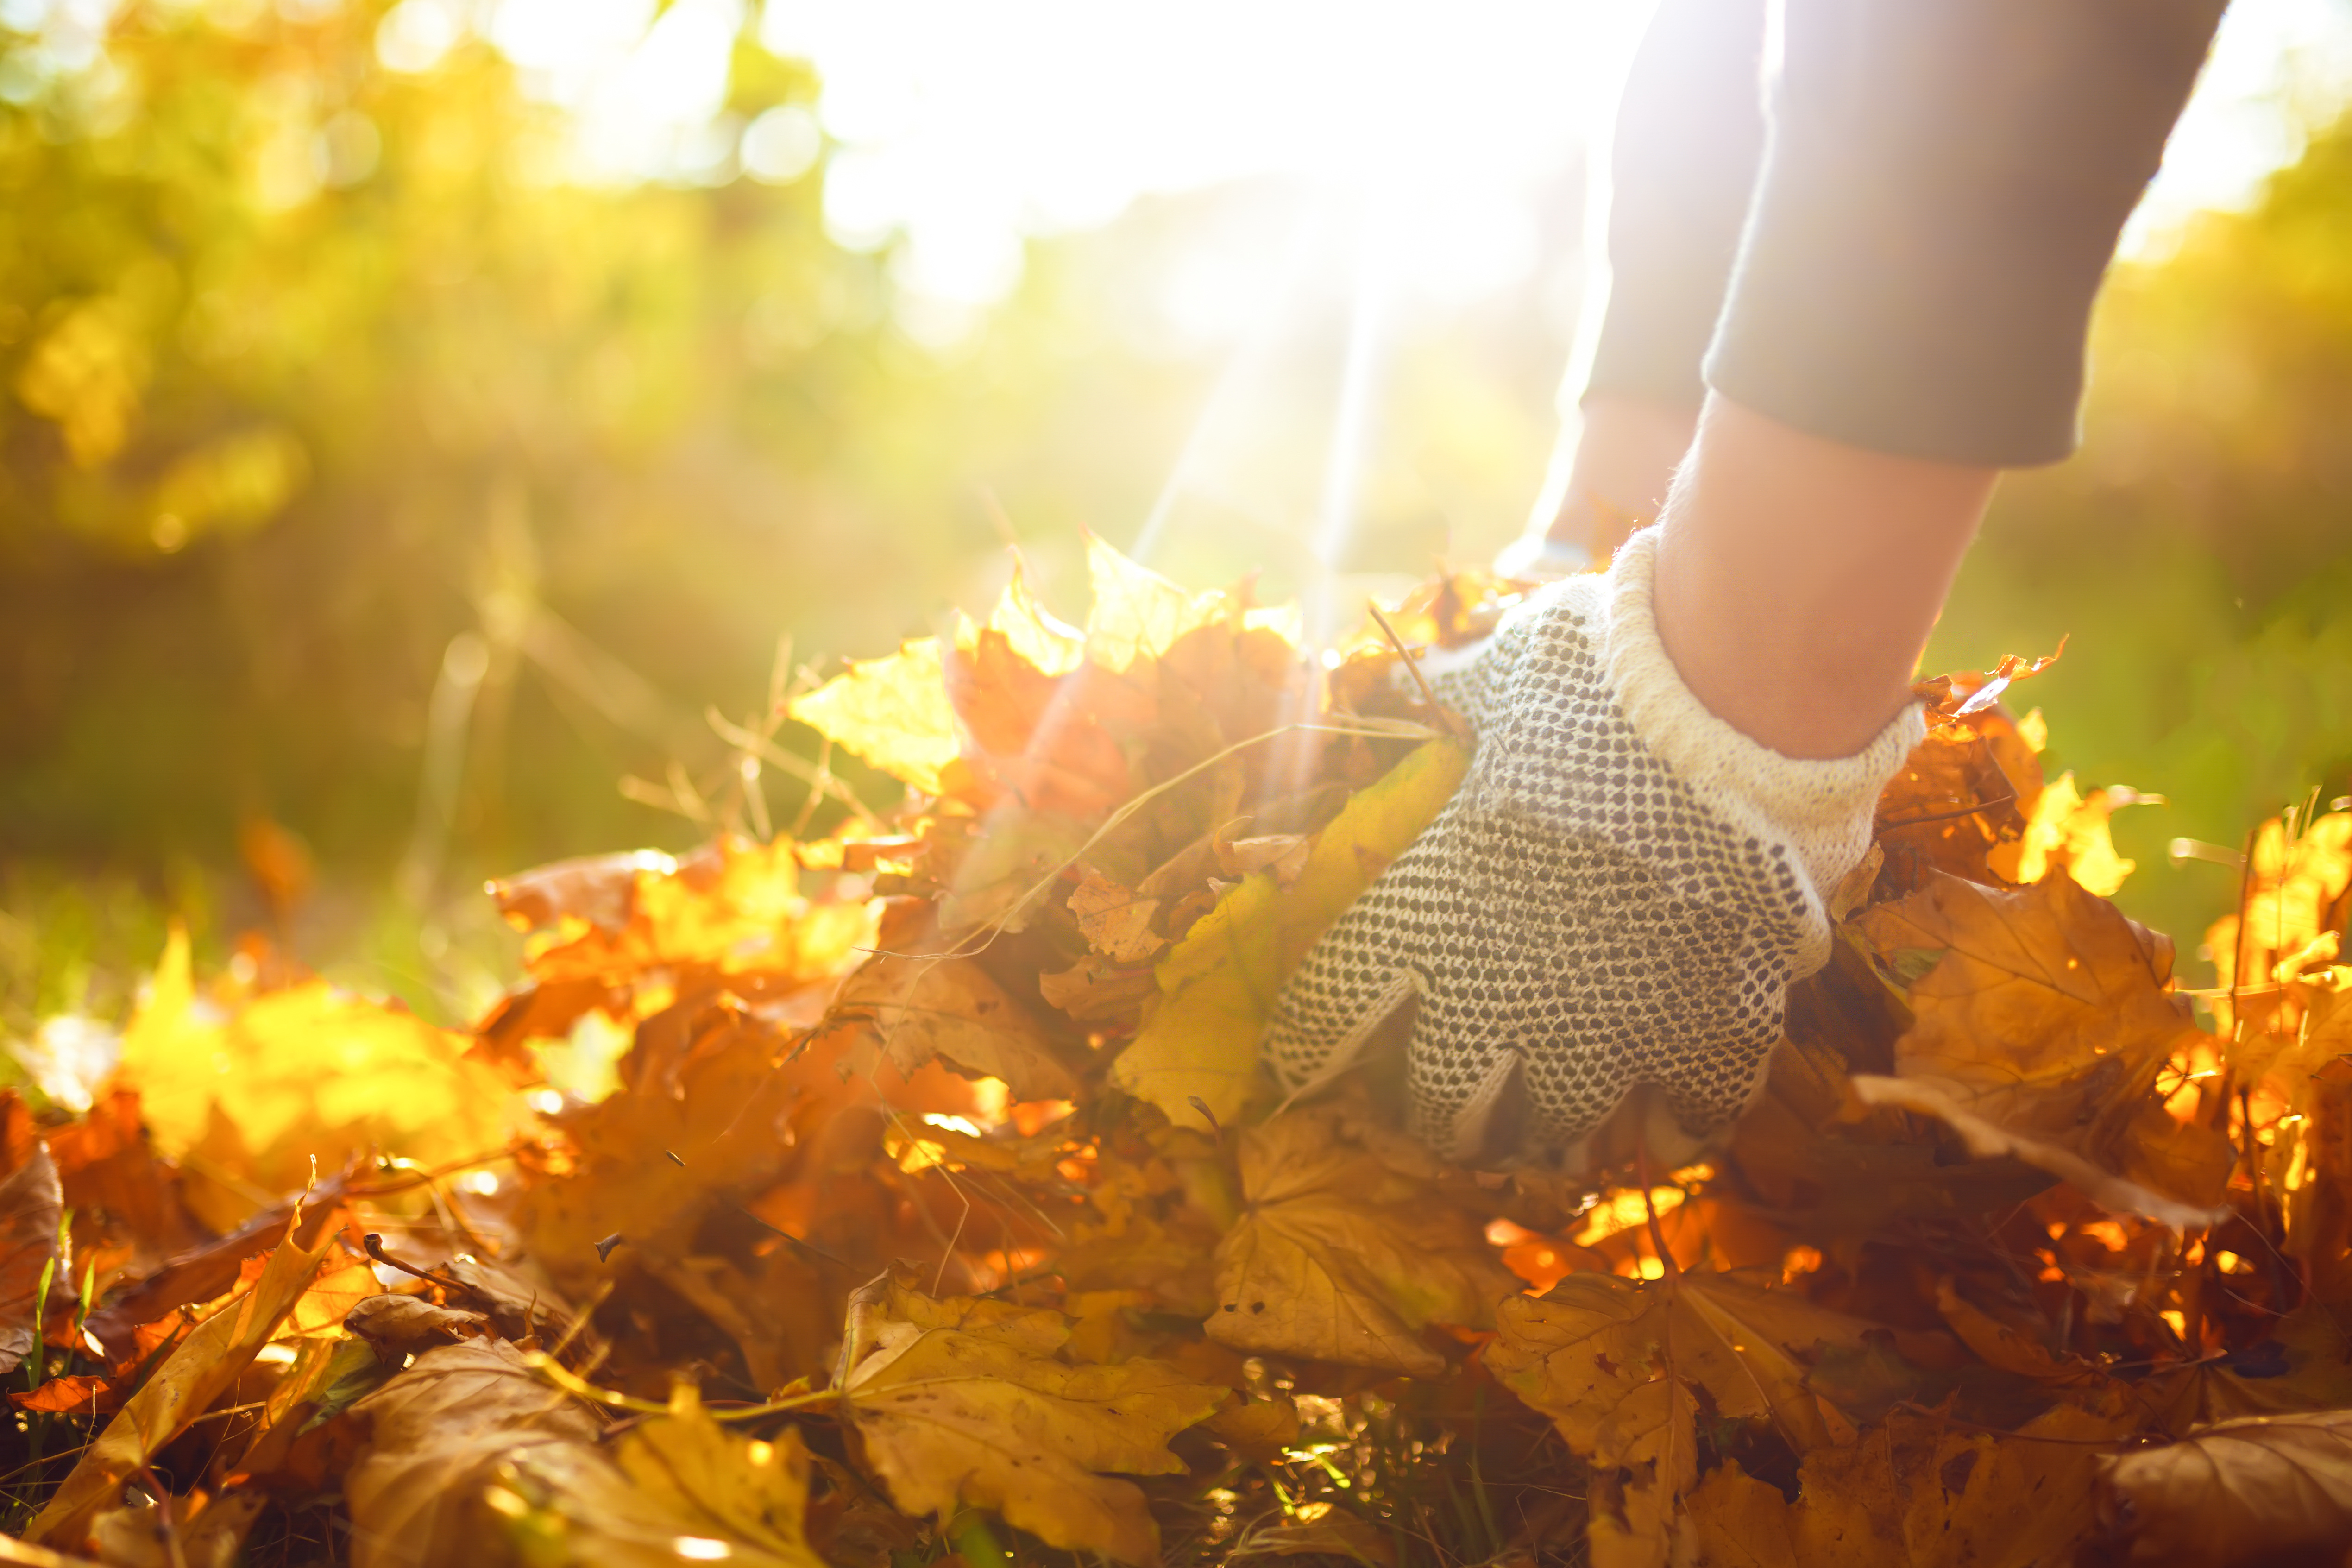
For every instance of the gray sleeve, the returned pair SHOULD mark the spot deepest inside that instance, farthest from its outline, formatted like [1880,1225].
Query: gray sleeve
[1942,190]
[1689,136]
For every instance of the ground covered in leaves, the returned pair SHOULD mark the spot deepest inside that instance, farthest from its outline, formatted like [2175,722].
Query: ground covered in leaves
[941,1216]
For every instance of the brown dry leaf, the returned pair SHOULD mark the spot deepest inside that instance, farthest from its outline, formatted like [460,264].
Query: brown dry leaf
[107,1164]
[2040,1022]
[32,1207]
[403,1325]
[919,1009]
[306,1073]
[1095,990]
[204,1366]
[437,1432]
[1915,1491]
[961,1403]
[1322,1530]
[207,1271]
[1116,920]
[1219,983]
[1259,1430]
[675,1488]
[2004,1346]
[1616,1365]
[1342,1256]
[197,1532]
[1960,802]
[893,712]
[2262,1489]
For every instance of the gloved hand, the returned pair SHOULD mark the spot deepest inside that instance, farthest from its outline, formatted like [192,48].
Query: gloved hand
[1619,894]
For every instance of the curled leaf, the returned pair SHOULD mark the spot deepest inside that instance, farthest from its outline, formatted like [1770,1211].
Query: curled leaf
[2266,1489]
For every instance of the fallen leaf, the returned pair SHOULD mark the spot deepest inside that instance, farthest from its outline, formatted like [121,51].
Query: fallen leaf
[2040,1022]
[197,1534]
[2067,830]
[1322,1530]
[961,1403]
[1219,983]
[71,1395]
[2262,1489]
[303,1074]
[438,1432]
[893,712]
[1094,990]
[1915,1491]
[1137,611]
[1257,1429]
[1341,1256]
[1116,920]
[32,1207]
[920,1009]
[1618,1365]
[403,1325]
[207,1271]
[204,1366]
[678,1486]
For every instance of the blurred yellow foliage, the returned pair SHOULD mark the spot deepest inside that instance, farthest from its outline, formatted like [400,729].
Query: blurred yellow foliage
[248,1098]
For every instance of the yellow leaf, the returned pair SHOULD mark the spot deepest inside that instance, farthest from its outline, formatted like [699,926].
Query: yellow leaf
[297,1075]
[2067,829]
[1341,1256]
[675,1488]
[195,1374]
[1615,1364]
[1915,1491]
[437,1432]
[2039,1023]
[961,1403]
[1137,611]
[893,712]
[1218,985]
[2268,1489]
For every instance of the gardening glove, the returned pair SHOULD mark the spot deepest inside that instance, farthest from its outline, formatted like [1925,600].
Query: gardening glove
[1618,896]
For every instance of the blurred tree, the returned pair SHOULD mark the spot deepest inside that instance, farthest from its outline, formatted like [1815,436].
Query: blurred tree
[2199,549]
[308,366]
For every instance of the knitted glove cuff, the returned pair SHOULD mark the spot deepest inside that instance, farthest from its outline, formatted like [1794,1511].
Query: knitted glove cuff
[1820,810]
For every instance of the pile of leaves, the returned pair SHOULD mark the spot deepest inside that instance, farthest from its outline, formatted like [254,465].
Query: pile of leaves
[942,1216]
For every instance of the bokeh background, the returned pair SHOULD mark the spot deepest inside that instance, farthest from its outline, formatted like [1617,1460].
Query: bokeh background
[417,418]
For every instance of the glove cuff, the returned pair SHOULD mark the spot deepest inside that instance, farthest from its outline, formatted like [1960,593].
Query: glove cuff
[1820,810]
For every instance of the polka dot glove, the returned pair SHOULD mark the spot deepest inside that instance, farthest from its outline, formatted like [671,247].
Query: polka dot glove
[1618,896]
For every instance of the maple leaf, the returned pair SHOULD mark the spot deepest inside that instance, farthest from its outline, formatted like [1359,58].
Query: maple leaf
[919,1008]
[437,1433]
[676,1486]
[2264,1488]
[304,1074]
[1116,920]
[1218,985]
[1915,1491]
[203,1367]
[1137,611]
[961,1402]
[1343,1255]
[1617,1365]
[1961,799]
[2068,830]
[2040,1020]
[893,712]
